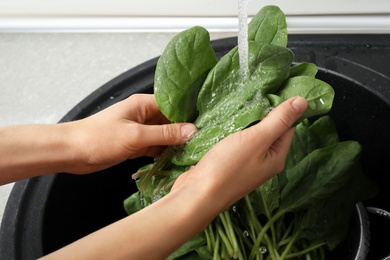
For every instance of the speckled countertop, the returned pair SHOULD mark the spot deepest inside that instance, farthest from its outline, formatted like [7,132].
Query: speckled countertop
[44,75]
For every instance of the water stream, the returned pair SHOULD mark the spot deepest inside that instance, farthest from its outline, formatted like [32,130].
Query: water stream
[243,36]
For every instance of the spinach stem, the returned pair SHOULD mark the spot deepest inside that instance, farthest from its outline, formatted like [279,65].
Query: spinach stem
[284,242]
[289,245]
[160,185]
[139,174]
[263,233]
[268,214]
[253,219]
[227,222]
[210,244]
[259,229]
[216,249]
[212,236]
[224,239]
[287,231]
[271,248]
[305,251]
[156,167]
[243,238]
[168,187]
[160,164]
[242,253]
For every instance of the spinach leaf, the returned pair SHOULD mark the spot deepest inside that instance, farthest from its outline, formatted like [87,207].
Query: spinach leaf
[318,94]
[266,198]
[269,26]
[268,67]
[309,137]
[302,82]
[133,203]
[303,143]
[322,219]
[310,200]
[227,103]
[308,183]
[304,69]
[324,131]
[319,189]
[189,249]
[180,73]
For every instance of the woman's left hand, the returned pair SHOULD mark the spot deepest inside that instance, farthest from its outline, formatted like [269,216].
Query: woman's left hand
[131,128]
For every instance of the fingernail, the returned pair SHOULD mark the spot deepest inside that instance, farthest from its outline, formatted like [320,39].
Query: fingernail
[188,130]
[299,104]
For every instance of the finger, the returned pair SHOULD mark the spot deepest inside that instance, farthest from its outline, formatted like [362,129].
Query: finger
[280,119]
[168,134]
[141,108]
[149,111]
[279,150]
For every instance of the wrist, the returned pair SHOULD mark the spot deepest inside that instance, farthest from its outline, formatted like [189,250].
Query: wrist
[200,195]
[32,150]
[52,150]
[77,149]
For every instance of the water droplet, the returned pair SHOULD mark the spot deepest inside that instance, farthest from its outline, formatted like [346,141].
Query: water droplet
[245,233]
[156,198]
[234,208]
[322,101]
[141,198]
[262,250]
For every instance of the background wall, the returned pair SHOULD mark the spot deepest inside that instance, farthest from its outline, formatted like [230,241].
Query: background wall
[186,7]
[174,15]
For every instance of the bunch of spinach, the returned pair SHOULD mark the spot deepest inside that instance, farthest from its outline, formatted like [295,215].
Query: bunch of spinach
[300,213]
[289,215]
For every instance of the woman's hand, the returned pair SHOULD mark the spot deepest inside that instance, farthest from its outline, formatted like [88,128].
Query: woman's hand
[131,128]
[243,161]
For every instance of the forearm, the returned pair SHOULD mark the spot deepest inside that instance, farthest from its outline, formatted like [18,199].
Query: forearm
[152,233]
[31,150]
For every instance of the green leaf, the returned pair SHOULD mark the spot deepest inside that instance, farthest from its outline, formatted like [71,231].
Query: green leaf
[269,66]
[308,183]
[229,103]
[269,26]
[180,73]
[266,198]
[303,143]
[189,249]
[304,69]
[328,221]
[309,137]
[274,100]
[318,94]
[324,132]
[133,203]
[322,178]
[176,171]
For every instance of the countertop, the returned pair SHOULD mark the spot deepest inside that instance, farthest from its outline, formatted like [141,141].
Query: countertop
[44,75]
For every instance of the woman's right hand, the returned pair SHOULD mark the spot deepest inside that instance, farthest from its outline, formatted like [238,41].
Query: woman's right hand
[244,160]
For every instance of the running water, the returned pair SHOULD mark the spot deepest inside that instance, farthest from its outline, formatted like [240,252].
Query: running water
[243,36]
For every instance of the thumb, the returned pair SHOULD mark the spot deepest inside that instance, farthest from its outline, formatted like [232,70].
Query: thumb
[280,120]
[167,134]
